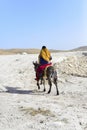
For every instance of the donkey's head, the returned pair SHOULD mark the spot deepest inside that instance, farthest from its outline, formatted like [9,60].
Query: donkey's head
[35,65]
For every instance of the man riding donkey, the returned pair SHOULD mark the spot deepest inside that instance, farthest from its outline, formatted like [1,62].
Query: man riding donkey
[45,70]
[44,61]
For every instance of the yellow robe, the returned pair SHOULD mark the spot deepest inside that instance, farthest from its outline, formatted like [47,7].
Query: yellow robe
[45,54]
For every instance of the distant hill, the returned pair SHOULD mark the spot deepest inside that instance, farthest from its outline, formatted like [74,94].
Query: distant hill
[21,51]
[82,48]
[35,51]
[18,51]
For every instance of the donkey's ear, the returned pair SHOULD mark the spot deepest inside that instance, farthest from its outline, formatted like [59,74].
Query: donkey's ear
[33,63]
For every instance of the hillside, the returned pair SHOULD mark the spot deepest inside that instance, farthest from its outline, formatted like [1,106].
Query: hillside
[35,51]
[18,51]
[82,48]
[21,51]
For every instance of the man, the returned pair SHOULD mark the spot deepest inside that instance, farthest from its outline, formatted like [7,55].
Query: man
[44,60]
[44,56]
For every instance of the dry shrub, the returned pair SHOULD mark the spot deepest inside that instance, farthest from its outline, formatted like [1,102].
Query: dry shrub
[34,112]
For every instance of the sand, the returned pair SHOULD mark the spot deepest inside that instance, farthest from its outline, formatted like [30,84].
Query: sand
[24,107]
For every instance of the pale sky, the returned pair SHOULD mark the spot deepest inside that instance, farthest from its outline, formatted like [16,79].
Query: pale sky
[57,24]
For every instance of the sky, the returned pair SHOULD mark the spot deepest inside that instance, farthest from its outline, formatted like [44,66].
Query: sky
[57,24]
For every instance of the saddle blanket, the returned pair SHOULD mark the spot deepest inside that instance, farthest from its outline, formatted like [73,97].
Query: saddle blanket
[42,67]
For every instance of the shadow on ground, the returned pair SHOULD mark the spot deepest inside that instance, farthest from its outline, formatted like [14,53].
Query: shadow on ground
[16,90]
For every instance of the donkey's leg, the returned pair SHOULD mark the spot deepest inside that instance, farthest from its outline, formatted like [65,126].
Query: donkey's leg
[55,82]
[44,85]
[50,84]
[38,84]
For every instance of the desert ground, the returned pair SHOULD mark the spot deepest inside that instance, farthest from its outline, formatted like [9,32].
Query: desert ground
[24,107]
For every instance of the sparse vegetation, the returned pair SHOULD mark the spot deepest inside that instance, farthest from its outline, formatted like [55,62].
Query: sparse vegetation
[35,51]
[34,112]
[18,51]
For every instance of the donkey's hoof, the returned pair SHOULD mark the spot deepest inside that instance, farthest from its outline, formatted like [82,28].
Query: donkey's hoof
[57,93]
[48,92]
[44,90]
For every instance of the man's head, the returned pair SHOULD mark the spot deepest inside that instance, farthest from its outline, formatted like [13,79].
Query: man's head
[43,47]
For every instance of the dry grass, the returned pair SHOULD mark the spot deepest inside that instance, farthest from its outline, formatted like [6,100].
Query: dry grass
[18,51]
[34,112]
[21,51]
[35,51]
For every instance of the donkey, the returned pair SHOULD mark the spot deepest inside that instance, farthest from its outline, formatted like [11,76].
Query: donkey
[50,74]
